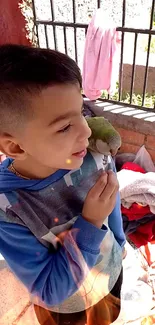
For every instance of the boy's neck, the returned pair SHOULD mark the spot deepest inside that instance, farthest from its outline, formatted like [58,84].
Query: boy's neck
[32,170]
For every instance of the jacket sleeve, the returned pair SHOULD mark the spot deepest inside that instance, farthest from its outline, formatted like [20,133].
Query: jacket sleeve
[116,223]
[52,277]
[115,219]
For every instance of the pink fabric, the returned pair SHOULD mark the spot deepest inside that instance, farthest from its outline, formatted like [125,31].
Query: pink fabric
[101,57]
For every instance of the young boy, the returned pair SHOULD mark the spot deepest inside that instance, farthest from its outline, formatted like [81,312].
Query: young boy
[55,198]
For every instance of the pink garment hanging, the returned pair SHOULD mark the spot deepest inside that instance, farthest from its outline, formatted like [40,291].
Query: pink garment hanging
[101,57]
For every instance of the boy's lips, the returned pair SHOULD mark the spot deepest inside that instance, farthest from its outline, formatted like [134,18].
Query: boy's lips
[80,154]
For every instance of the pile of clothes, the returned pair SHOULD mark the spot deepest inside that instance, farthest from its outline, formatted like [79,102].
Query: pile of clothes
[137,191]
[137,298]
[136,176]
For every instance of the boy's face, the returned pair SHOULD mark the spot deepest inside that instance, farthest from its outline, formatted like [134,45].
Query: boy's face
[57,136]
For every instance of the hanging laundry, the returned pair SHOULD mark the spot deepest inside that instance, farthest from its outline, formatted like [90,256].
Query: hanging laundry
[101,56]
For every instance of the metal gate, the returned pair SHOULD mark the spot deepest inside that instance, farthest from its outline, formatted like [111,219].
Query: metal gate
[135,31]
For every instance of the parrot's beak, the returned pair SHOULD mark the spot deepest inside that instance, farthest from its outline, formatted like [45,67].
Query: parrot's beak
[114,152]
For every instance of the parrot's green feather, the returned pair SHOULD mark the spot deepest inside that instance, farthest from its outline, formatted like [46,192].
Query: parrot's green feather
[103,130]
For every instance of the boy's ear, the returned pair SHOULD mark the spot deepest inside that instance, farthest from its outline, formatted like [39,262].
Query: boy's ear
[10,147]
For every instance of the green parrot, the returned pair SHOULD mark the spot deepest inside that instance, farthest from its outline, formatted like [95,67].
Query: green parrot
[104,139]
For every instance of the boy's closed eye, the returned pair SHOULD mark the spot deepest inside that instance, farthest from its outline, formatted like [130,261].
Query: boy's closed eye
[67,127]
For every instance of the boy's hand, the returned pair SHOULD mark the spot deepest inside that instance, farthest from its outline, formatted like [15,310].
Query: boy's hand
[101,199]
[124,253]
[2,157]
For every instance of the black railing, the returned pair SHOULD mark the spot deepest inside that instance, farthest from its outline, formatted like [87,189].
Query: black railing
[75,25]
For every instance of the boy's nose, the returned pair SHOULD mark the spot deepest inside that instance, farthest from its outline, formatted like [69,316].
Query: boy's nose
[85,133]
[88,130]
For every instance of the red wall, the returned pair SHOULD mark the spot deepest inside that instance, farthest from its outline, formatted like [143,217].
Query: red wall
[12,23]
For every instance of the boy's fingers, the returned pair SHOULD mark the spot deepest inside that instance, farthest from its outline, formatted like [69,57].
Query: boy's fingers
[113,196]
[99,187]
[111,187]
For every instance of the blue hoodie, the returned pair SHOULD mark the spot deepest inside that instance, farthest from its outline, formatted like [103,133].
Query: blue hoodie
[32,215]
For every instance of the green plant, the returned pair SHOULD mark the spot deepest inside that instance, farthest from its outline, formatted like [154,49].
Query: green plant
[154,19]
[27,11]
[152,45]
[136,98]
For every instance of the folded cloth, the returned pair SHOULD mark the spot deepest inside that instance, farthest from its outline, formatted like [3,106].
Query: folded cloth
[131,226]
[136,211]
[132,166]
[137,187]
[144,234]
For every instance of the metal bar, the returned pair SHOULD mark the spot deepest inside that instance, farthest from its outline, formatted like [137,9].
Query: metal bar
[124,12]
[122,50]
[151,21]
[136,30]
[60,23]
[121,67]
[133,68]
[52,9]
[146,71]
[34,20]
[46,36]
[55,39]
[75,34]
[54,26]
[74,11]
[37,35]
[152,14]
[80,25]
[148,54]
[65,39]
[75,45]
[98,3]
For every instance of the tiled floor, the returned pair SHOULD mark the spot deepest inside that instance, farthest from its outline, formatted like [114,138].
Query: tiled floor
[13,298]
[28,317]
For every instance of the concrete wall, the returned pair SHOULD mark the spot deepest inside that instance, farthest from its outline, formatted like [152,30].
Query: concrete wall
[139,79]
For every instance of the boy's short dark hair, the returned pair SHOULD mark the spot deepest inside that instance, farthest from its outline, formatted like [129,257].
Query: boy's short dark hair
[24,72]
